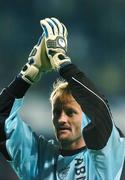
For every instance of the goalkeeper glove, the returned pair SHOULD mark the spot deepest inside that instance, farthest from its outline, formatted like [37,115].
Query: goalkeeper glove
[55,42]
[38,63]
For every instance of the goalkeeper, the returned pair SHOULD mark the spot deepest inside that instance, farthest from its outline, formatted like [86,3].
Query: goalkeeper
[90,146]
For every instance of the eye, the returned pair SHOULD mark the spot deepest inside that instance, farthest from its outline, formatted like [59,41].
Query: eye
[56,112]
[70,112]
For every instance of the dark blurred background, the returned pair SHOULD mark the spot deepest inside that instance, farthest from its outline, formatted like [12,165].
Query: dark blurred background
[96,44]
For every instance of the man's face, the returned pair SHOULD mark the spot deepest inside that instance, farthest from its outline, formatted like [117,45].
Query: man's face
[67,120]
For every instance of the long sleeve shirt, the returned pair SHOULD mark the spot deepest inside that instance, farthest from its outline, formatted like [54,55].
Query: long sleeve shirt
[35,158]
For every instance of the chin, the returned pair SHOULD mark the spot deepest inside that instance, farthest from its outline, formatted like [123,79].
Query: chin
[63,139]
[64,136]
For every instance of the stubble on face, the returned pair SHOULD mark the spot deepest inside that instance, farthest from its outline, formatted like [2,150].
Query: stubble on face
[68,131]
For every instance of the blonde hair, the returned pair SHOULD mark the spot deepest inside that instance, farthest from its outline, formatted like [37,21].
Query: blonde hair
[60,87]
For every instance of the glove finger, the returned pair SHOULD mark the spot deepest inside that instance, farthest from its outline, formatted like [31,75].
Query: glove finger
[34,50]
[53,26]
[46,28]
[59,26]
[40,39]
[65,32]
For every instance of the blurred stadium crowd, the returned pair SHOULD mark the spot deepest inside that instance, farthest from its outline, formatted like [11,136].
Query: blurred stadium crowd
[96,44]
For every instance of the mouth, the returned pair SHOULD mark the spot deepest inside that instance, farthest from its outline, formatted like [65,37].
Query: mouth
[63,128]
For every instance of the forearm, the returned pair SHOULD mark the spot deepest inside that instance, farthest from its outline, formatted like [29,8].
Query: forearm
[15,90]
[93,104]
[18,87]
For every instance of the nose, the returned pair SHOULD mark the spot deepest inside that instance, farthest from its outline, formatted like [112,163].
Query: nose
[63,117]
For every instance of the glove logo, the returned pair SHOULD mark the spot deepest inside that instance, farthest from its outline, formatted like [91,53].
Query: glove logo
[61,42]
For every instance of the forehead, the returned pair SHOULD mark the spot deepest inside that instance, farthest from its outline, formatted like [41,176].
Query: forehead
[63,97]
[65,100]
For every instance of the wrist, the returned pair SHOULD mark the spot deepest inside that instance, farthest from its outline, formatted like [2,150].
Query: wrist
[30,73]
[64,64]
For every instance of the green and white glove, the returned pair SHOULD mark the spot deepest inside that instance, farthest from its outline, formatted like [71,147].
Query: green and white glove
[38,63]
[56,42]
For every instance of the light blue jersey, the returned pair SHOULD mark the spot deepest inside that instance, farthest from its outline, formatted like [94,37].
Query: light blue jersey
[36,158]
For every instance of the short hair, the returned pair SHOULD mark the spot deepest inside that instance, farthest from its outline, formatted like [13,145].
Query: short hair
[60,87]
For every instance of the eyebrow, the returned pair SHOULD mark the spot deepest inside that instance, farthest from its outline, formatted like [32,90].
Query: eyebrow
[69,101]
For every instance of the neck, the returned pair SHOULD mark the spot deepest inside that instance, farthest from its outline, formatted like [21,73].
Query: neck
[71,152]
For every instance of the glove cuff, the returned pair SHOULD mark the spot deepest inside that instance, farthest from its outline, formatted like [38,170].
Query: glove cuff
[65,64]
[30,73]
[59,60]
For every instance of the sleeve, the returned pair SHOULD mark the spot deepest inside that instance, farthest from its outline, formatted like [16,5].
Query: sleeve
[100,133]
[16,89]
[18,143]
[97,132]
[105,145]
